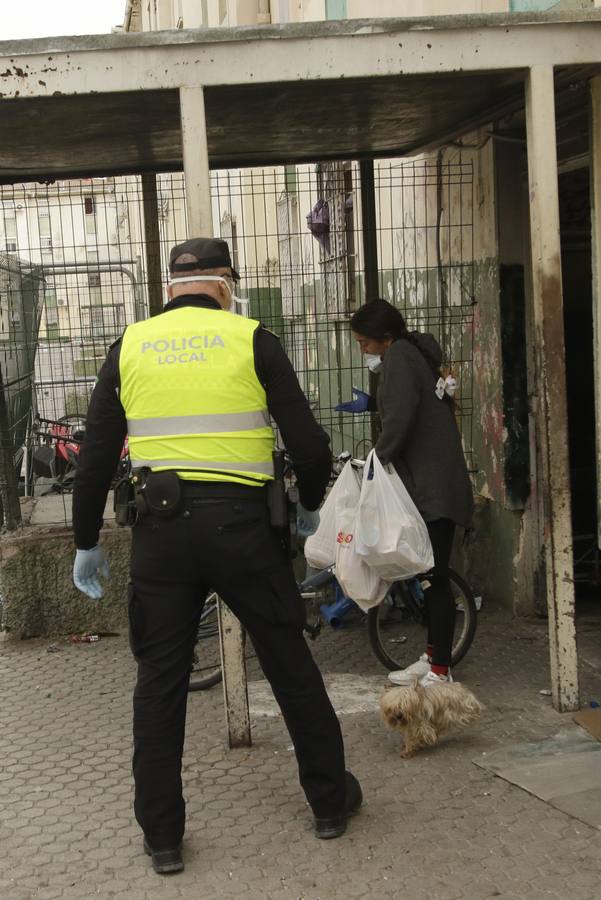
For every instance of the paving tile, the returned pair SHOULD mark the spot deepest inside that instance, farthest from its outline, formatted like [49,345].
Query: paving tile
[435,826]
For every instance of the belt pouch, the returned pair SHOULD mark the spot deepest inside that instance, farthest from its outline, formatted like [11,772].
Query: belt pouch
[163,494]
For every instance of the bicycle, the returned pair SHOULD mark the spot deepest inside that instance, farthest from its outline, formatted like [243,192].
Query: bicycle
[396,628]
[206,665]
[55,448]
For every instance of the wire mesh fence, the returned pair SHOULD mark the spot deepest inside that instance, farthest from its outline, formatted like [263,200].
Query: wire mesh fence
[77,255]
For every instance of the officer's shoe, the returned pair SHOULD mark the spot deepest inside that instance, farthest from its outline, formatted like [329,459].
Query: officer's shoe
[334,826]
[165,862]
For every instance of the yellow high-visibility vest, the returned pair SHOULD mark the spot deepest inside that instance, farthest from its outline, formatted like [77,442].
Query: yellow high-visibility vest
[192,398]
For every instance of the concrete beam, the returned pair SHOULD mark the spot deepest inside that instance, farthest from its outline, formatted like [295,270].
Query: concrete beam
[550,386]
[368,48]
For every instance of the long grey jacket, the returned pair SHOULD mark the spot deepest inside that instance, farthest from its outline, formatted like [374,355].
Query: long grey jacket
[419,433]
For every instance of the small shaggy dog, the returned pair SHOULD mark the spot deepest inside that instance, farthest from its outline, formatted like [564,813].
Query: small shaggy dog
[422,715]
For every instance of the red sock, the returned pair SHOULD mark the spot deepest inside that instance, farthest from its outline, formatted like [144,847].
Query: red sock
[440,670]
[429,649]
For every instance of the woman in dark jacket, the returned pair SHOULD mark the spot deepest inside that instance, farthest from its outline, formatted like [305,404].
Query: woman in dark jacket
[420,438]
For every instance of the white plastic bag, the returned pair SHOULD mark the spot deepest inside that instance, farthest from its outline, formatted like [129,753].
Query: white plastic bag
[357,579]
[391,536]
[320,548]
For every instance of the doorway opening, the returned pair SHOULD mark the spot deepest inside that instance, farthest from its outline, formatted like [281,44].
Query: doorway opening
[576,261]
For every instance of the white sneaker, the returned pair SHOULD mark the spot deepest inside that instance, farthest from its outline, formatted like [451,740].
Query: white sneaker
[413,672]
[431,678]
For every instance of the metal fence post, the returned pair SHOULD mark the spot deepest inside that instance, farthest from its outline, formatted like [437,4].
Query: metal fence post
[152,243]
[9,494]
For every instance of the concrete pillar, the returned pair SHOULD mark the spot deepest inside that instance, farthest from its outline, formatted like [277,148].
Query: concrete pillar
[197,175]
[152,243]
[197,179]
[595,133]
[550,385]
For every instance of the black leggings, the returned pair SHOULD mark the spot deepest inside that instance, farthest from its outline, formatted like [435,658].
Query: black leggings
[440,603]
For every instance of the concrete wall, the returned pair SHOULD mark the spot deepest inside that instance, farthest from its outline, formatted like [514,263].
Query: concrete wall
[38,595]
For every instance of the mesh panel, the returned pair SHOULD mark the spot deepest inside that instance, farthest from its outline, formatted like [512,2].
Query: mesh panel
[74,271]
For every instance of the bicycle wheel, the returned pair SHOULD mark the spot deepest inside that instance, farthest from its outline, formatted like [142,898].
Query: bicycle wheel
[397,627]
[206,667]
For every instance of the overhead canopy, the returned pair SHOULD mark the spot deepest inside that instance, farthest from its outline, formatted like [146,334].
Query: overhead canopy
[281,94]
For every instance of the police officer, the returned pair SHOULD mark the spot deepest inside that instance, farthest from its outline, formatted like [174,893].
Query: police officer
[194,388]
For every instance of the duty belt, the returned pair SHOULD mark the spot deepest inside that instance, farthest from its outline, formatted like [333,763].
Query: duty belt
[222,489]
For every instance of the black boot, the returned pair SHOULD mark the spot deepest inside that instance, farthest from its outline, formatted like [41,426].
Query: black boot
[334,826]
[165,862]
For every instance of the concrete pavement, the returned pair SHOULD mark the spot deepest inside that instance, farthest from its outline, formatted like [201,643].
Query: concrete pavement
[435,826]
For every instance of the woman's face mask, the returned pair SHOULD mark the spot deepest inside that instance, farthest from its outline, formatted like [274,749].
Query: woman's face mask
[373,362]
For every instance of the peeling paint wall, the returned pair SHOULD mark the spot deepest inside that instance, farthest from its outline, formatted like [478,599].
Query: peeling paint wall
[500,554]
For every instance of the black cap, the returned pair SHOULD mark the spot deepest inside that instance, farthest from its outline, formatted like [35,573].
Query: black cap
[210,253]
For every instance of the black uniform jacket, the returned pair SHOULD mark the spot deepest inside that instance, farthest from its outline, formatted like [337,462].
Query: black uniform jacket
[305,440]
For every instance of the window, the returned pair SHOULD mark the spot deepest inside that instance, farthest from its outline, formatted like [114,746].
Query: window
[44,226]
[93,278]
[290,179]
[50,297]
[90,214]
[10,232]
[95,296]
[104,321]
[335,9]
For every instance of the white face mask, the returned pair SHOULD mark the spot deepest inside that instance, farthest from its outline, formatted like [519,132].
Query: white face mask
[373,362]
[238,305]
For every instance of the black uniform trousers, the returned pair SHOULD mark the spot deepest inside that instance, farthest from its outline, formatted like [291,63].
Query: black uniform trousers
[440,601]
[223,543]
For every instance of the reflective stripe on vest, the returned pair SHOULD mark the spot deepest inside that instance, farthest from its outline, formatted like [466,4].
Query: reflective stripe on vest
[266,468]
[192,398]
[206,424]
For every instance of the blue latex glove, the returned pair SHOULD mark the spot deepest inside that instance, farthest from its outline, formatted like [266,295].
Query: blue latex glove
[355,406]
[86,568]
[307,521]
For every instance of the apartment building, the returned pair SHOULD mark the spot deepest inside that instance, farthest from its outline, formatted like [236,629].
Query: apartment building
[74,234]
